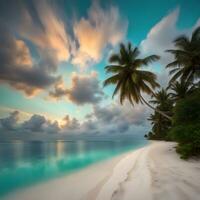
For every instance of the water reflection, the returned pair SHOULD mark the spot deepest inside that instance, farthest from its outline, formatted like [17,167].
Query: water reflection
[26,163]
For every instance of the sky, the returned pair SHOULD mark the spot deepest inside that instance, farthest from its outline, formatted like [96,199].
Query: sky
[52,59]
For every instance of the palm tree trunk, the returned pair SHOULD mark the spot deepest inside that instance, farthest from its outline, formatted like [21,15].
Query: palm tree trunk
[155,109]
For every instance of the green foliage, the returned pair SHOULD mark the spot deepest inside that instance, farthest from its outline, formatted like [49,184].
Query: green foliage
[127,74]
[186,125]
[160,124]
[184,150]
[186,57]
[180,89]
[188,110]
[188,137]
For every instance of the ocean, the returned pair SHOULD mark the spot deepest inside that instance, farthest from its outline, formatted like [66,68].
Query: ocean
[23,164]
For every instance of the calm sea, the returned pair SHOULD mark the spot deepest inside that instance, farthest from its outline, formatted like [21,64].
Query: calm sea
[26,163]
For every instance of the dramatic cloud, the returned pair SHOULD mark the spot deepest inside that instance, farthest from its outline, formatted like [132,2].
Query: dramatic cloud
[101,28]
[47,31]
[85,88]
[17,68]
[39,24]
[37,38]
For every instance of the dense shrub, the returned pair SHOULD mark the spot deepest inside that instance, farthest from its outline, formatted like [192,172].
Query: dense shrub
[186,125]
[187,110]
[188,137]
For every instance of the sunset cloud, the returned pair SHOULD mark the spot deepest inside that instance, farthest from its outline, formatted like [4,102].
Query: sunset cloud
[41,40]
[48,32]
[69,123]
[17,68]
[102,27]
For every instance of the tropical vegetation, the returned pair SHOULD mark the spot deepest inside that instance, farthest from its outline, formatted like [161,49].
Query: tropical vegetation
[129,77]
[176,109]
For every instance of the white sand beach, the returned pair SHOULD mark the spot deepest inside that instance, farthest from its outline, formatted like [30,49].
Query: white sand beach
[154,172]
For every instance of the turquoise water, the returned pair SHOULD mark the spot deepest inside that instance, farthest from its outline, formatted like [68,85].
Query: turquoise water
[26,163]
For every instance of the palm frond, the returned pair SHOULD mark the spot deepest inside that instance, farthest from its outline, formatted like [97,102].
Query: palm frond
[174,71]
[117,88]
[113,68]
[114,58]
[135,52]
[176,76]
[172,64]
[112,80]
[182,42]
[149,59]
[196,35]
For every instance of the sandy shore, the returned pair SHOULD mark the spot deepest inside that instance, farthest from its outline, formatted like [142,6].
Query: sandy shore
[154,172]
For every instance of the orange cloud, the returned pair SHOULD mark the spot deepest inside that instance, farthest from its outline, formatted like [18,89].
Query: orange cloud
[23,57]
[100,29]
[52,36]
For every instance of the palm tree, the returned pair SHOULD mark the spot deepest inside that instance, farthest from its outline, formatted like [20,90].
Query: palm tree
[161,98]
[180,89]
[163,101]
[129,78]
[160,124]
[186,64]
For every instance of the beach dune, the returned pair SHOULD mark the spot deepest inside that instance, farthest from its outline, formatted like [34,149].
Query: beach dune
[154,172]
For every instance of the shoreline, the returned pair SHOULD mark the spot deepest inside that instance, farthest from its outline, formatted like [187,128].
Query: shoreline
[151,172]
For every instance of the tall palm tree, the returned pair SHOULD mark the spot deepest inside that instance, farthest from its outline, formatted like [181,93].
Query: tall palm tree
[180,89]
[186,64]
[129,78]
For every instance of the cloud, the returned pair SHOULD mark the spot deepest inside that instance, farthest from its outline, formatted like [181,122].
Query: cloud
[82,40]
[114,119]
[162,35]
[85,88]
[70,123]
[36,39]
[46,30]
[101,28]
[38,24]
[10,122]
[115,113]
[35,123]
[17,68]
[106,121]
[59,91]
[39,124]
